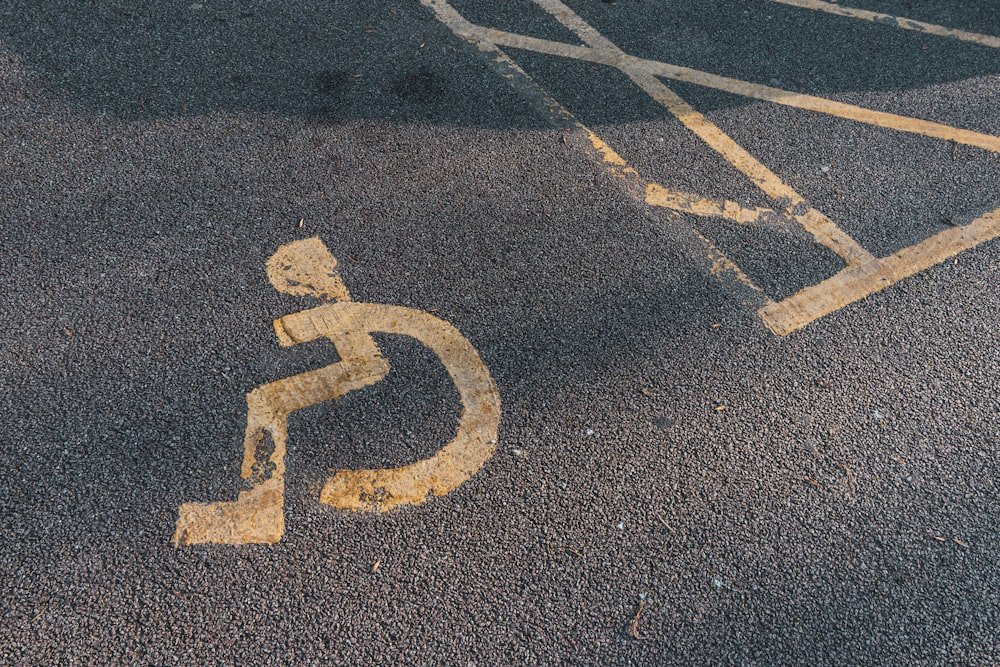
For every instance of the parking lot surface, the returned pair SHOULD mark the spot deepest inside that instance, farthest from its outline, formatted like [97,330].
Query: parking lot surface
[465,333]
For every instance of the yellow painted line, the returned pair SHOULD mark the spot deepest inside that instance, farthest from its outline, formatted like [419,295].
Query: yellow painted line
[824,230]
[624,62]
[856,282]
[683,202]
[864,274]
[652,193]
[575,23]
[611,159]
[897,21]
[306,268]
[830,107]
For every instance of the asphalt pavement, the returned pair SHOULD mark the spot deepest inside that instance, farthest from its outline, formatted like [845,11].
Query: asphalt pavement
[747,352]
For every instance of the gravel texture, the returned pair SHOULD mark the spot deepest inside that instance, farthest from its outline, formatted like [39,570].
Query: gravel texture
[826,498]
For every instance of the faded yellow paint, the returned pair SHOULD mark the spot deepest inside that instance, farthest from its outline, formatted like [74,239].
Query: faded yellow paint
[306,268]
[816,223]
[654,195]
[856,282]
[897,21]
[684,202]
[864,274]
[628,63]
[609,155]
[723,268]
[256,517]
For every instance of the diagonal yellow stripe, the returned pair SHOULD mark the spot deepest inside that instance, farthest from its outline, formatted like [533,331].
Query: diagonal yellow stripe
[898,21]
[856,282]
[757,91]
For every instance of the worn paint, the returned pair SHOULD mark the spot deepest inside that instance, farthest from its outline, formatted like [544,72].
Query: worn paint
[256,517]
[816,223]
[629,63]
[306,268]
[896,21]
[823,230]
[609,156]
[724,269]
[864,273]
[856,282]
[683,202]
[476,436]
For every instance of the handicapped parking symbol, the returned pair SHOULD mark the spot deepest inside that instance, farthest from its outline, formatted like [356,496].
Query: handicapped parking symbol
[306,268]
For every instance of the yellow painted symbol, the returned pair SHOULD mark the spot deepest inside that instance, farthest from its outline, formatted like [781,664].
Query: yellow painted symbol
[863,274]
[306,268]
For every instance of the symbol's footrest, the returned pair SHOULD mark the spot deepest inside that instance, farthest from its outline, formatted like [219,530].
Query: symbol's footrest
[256,517]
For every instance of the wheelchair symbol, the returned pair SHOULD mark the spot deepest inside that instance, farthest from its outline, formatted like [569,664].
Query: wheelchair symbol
[306,268]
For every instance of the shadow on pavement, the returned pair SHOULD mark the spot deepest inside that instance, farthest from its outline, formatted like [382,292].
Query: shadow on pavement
[370,60]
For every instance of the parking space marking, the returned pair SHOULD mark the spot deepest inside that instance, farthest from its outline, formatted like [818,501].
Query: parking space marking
[669,203]
[856,282]
[306,268]
[823,230]
[897,21]
[606,156]
[681,202]
[655,68]
[863,275]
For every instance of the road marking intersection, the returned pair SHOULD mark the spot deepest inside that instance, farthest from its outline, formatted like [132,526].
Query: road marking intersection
[863,274]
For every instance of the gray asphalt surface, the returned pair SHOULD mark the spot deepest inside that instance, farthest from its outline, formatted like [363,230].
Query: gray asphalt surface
[825,498]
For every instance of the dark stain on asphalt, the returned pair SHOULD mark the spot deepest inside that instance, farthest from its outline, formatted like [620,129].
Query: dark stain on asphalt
[331,83]
[422,86]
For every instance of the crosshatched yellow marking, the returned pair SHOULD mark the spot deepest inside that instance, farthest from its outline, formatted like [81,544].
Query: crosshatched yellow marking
[682,202]
[306,268]
[624,62]
[655,195]
[864,274]
[898,21]
[816,223]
